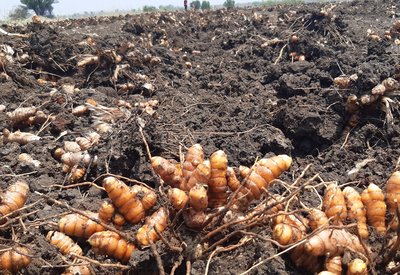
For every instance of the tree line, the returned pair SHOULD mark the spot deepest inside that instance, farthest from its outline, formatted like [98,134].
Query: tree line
[45,7]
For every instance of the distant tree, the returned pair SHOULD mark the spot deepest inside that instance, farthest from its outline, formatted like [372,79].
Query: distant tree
[149,8]
[167,8]
[20,12]
[205,5]
[229,4]
[40,7]
[195,4]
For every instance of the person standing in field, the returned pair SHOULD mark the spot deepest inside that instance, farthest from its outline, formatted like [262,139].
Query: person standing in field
[185,4]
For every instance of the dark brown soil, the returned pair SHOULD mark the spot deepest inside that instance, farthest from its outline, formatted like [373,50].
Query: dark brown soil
[234,97]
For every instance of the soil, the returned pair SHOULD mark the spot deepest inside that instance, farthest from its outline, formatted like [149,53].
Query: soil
[236,95]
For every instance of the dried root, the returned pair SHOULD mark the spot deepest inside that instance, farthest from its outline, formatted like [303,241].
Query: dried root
[75,157]
[19,137]
[21,115]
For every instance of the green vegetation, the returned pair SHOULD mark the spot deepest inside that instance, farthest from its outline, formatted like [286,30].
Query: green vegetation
[40,7]
[19,13]
[168,8]
[276,2]
[205,5]
[229,4]
[195,4]
[149,8]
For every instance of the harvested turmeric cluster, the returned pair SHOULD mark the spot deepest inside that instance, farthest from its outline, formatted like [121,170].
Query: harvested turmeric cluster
[341,207]
[199,183]
[75,157]
[129,204]
[381,93]
[27,116]
[104,117]
[22,117]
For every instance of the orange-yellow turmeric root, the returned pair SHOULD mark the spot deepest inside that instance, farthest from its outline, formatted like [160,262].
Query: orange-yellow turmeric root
[15,259]
[14,198]
[106,212]
[263,173]
[334,265]
[147,196]
[64,243]
[118,220]
[374,201]
[126,201]
[335,204]
[356,210]
[286,234]
[155,223]
[317,219]
[111,244]
[79,226]
[357,267]
[200,175]
[332,242]
[393,197]
[170,173]
[194,156]
[178,198]
[217,184]
[288,230]
[198,197]
[77,270]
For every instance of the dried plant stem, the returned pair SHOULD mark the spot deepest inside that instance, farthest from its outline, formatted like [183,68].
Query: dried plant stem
[242,242]
[157,256]
[177,264]
[119,266]
[76,185]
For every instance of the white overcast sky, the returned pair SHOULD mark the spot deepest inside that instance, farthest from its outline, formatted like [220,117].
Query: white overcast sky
[66,7]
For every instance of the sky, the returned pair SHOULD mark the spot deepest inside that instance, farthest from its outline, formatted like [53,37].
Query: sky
[67,7]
